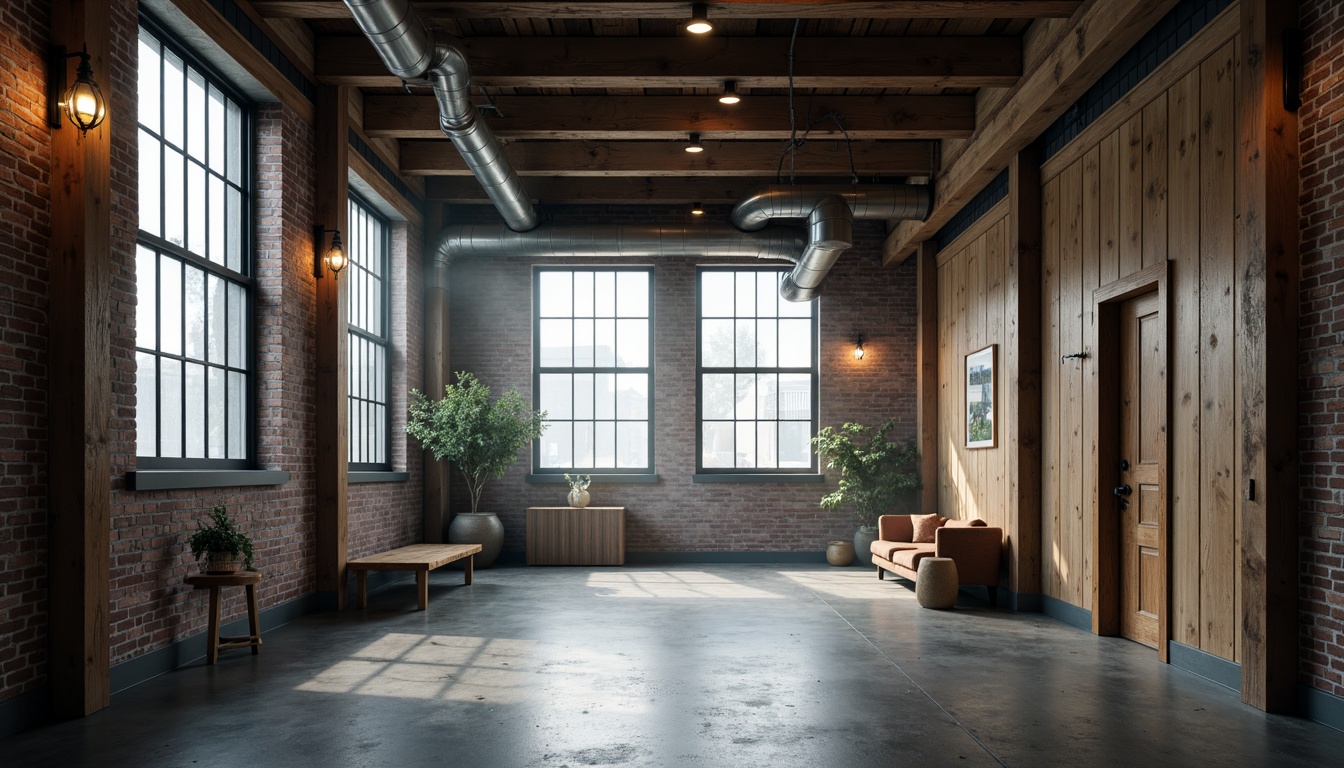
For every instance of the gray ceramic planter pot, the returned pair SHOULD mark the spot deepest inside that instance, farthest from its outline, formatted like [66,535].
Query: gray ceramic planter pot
[482,528]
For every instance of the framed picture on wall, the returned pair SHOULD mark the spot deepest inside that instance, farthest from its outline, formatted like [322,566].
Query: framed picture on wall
[980,431]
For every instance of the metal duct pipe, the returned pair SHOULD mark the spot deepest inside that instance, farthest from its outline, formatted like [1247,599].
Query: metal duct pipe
[830,217]
[410,51]
[617,240]
[830,229]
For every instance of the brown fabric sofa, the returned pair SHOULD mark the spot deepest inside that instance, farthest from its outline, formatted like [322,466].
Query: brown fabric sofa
[975,547]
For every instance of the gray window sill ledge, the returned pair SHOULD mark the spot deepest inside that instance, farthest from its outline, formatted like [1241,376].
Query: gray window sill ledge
[745,477]
[171,479]
[611,479]
[362,476]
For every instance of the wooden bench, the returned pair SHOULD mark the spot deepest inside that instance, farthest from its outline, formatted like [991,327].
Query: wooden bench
[421,558]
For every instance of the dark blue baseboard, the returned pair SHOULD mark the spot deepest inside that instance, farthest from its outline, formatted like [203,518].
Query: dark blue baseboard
[1324,708]
[1205,664]
[1026,602]
[1070,614]
[27,710]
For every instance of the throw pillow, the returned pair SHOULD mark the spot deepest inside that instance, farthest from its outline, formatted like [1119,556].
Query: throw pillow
[924,526]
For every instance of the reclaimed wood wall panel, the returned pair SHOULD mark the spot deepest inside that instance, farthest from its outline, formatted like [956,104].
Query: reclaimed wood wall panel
[1159,186]
[973,482]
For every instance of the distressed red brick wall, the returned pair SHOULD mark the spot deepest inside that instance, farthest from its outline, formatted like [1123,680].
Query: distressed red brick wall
[1321,356]
[25,229]
[150,606]
[491,328]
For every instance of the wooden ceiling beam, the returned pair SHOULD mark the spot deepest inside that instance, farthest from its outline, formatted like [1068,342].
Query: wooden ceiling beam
[672,117]
[613,190]
[677,9]
[684,62]
[666,158]
[1096,38]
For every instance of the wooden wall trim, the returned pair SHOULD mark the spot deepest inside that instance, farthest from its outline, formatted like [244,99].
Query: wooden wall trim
[1267,316]
[370,175]
[978,228]
[80,387]
[1022,372]
[332,470]
[436,373]
[1203,45]
[240,49]
[1099,34]
[926,378]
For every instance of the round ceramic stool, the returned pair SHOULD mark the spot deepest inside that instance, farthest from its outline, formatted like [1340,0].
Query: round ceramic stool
[936,582]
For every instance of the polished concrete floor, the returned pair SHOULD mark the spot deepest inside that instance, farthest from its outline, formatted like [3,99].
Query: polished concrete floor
[712,665]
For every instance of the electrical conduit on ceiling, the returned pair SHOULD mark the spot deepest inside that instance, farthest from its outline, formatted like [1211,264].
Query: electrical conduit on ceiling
[411,52]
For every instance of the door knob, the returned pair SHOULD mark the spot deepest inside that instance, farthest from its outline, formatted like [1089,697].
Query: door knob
[1123,490]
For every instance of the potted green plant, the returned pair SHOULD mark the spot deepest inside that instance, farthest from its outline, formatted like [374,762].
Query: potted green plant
[876,475]
[482,439]
[225,548]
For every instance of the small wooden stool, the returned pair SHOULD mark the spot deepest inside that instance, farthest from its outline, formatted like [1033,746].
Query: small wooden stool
[213,642]
[936,582]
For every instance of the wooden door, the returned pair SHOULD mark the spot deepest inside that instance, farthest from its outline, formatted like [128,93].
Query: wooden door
[1139,495]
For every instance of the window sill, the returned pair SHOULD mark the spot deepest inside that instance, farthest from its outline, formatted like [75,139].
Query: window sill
[611,479]
[171,479]
[757,478]
[362,476]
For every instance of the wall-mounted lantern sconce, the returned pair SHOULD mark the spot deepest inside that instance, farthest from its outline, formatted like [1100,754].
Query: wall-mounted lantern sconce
[699,22]
[83,101]
[334,259]
[858,348]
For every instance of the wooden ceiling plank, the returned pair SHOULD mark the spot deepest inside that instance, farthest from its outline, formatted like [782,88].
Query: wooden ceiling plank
[1098,36]
[675,9]
[614,62]
[671,117]
[666,158]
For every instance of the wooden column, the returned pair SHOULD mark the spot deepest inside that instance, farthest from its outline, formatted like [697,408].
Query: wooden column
[1269,272]
[333,469]
[80,384]
[437,373]
[1022,372]
[926,377]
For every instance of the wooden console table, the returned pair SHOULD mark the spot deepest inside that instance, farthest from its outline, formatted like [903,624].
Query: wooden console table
[576,536]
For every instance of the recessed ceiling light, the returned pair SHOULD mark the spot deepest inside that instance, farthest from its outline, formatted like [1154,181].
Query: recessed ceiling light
[697,209]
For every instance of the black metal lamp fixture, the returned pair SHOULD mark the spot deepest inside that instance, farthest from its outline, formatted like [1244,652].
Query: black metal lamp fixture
[858,348]
[334,259]
[699,22]
[83,101]
[697,209]
[694,147]
[730,94]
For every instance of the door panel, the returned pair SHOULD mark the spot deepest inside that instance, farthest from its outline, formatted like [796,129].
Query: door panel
[1142,446]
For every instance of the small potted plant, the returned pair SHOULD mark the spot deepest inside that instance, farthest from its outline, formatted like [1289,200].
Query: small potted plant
[226,549]
[578,489]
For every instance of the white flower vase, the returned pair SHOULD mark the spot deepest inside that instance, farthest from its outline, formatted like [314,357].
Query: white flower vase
[578,498]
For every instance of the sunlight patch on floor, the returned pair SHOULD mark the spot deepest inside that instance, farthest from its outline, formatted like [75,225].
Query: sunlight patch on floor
[850,583]
[431,667]
[674,585]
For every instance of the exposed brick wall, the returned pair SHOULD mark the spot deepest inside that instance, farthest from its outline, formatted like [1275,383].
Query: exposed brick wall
[150,606]
[25,229]
[1321,359]
[491,326]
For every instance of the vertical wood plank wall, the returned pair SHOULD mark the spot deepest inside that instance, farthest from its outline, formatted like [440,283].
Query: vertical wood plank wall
[1159,186]
[973,482]
[1153,180]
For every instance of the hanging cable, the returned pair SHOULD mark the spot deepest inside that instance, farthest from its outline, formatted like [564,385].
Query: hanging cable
[795,143]
[793,121]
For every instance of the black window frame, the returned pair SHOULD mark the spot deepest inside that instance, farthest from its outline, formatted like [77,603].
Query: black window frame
[247,109]
[700,371]
[538,370]
[385,252]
